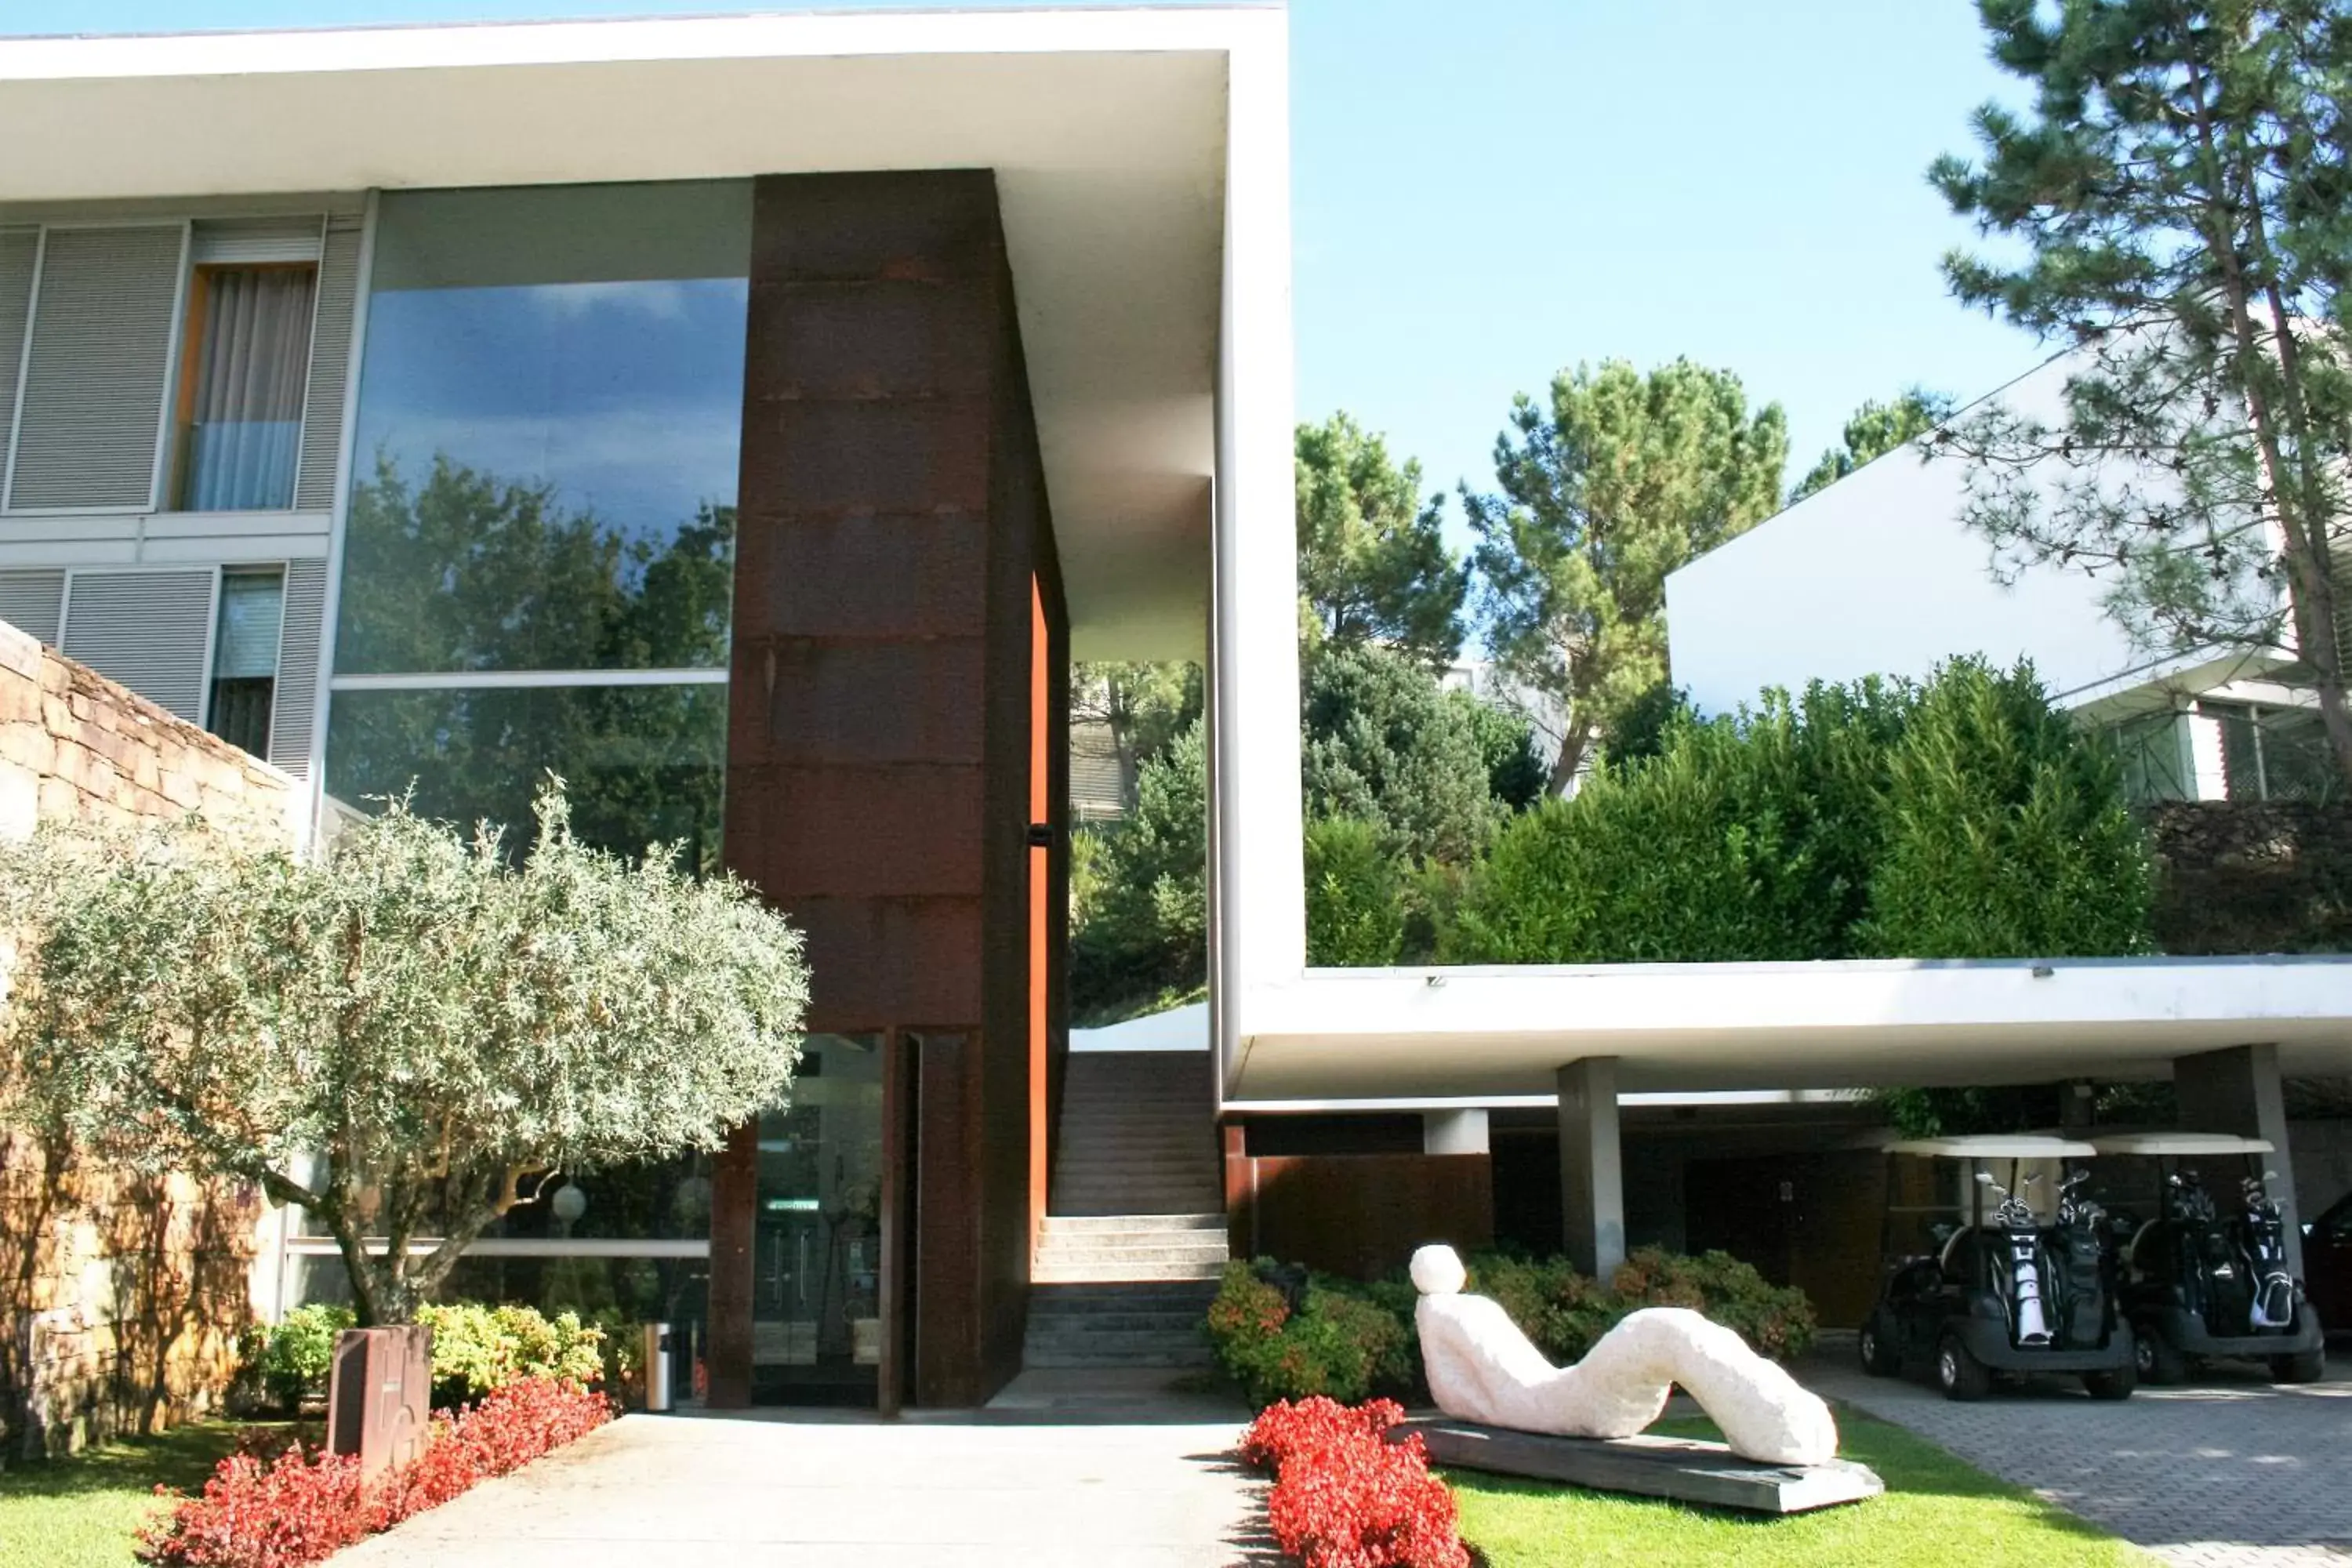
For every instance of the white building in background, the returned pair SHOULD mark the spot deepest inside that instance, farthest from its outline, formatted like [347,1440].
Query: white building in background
[1880,574]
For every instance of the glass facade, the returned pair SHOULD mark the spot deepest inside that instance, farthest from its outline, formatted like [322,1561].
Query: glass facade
[549,416]
[816,1316]
[540,522]
[641,765]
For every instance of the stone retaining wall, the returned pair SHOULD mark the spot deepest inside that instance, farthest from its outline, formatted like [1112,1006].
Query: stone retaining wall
[122,1297]
[2238,877]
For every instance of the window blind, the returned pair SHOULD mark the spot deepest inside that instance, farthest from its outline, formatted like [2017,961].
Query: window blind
[94,378]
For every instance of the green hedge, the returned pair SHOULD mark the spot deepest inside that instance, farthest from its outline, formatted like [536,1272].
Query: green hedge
[476,1348]
[1355,910]
[1961,818]
[1284,1333]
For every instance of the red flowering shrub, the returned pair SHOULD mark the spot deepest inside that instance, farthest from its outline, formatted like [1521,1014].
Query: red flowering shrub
[306,1506]
[1347,1496]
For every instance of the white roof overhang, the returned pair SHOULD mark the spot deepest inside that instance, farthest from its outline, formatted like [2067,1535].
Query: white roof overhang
[1107,130]
[2182,1145]
[1994,1146]
[1491,1032]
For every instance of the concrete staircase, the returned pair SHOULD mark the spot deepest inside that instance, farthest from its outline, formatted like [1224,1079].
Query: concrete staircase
[1137,1136]
[1128,1259]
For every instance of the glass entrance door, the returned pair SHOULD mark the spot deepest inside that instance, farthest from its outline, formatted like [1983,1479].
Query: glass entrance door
[816,1324]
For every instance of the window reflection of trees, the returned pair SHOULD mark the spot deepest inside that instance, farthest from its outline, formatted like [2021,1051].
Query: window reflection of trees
[643,765]
[467,571]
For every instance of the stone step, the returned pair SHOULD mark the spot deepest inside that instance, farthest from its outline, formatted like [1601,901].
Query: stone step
[1096,1223]
[1071,1361]
[1120,1272]
[1172,1357]
[1078,1257]
[1153,1296]
[1182,1325]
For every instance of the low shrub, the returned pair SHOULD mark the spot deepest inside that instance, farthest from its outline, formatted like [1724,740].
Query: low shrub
[1335,1341]
[306,1505]
[1347,1496]
[1566,1313]
[300,1351]
[1337,1338]
[476,1350]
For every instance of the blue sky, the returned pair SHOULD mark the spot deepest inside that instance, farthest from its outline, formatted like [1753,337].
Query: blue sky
[1490,190]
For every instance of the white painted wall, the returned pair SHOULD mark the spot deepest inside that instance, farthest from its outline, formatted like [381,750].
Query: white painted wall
[1877,574]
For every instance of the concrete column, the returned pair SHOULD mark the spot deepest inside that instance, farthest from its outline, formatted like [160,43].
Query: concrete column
[2208,775]
[1591,1171]
[2076,1101]
[1453,1132]
[2237,1090]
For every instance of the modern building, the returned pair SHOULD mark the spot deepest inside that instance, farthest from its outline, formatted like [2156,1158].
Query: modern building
[750,420]
[747,419]
[1880,574]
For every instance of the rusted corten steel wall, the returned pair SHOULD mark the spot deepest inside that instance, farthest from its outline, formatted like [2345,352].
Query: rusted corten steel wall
[892,516]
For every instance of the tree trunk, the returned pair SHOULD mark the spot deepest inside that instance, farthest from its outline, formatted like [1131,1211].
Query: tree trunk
[1574,741]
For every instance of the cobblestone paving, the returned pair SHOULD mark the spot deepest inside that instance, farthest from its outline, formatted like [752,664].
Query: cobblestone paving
[2228,1472]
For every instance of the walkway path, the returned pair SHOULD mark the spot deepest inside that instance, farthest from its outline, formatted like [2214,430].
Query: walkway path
[1050,1477]
[2233,1473]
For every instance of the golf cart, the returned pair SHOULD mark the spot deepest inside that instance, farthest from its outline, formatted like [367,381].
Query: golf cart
[2199,1285]
[2000,1287]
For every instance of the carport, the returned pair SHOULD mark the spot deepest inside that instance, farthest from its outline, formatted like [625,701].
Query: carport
[1450,1042]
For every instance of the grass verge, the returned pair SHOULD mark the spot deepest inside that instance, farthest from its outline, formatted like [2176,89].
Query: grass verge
[1936,1512]
[82,1512]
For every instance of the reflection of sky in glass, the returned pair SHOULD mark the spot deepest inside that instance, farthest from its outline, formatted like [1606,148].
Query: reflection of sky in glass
[626,395]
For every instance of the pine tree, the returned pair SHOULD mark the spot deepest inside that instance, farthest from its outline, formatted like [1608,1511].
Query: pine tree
[1620,479]
[2182,194]
[1372,563]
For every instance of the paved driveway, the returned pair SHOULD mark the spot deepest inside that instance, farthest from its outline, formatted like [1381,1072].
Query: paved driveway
[1052,1482]
[2236,1471]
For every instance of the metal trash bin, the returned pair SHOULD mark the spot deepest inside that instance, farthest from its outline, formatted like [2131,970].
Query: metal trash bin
[661,1396]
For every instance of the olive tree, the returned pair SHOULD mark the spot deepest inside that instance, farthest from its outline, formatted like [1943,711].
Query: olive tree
[405,1034]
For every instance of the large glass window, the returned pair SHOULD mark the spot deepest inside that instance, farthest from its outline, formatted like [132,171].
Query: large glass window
[642,764]
[549,423]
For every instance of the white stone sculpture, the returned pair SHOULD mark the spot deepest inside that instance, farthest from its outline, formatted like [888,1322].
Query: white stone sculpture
[1482,1368]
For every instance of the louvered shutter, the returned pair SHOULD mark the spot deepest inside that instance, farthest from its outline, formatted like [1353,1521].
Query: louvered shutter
[94,379]
[293,710]
[242,241]
[331,356]
[30,600]
[20,252]
[148,630]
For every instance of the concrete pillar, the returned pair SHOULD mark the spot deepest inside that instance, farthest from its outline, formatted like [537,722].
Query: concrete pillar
[2237,1090]
[2076,1101]
[1453,1132]
[1592,1170]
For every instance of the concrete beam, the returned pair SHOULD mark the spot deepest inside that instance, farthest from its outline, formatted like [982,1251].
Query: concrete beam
[2237,1090]
[1591,1169]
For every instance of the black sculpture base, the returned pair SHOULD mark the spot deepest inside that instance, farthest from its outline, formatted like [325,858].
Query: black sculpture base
[1673,1468]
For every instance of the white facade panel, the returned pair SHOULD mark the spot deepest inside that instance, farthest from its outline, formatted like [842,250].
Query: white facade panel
[1878,574]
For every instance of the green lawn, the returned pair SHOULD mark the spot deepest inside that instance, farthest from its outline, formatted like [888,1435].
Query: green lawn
[1936,1512]
[81,1513]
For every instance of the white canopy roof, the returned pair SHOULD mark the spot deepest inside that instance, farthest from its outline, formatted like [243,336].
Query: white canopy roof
[1106,129]
[2180,1144]
[1995,1146]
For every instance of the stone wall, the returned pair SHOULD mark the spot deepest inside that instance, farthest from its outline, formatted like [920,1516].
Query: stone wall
[2237,877]
[122,1297]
